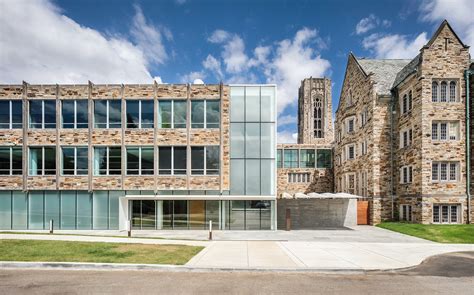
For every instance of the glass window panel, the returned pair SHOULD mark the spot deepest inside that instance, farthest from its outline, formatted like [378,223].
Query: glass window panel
[252,140]
[307,158]
[84,210]
[164,158]
[180,214]
[82,160]
[5,209]
[237,177]
[212,113]
[36,161]
[197,114]
[236,215]
[115,113]
[167,214]
[279,158]
[237,140]
[268,104]
[49,160]
[237,104]
[290,158]
[179,113]
[212,213]
[100,161]
[67,112]
[324,159]
[68,209]
[100,113]
[197,214]
[136,214]
[4,114]
[17,114]
[115,160]
[19,213]
[179,161]
[68,161]
[147,161]
[268,177]
[36,114]
[82,114]
[252,214]
[252,177]
[197,160]
[268,140]
[148,217]
[5,154]
[51,209]
[164,114]
[212,160]
[100,205]
[147,113]
[133,161]
[35,210]
[252,104]
[133,116]
[49,114]
[114,199]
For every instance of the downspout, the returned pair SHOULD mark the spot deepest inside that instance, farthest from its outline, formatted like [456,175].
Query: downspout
[467,73]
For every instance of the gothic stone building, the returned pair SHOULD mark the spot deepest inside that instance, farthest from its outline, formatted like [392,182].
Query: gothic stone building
[401,133]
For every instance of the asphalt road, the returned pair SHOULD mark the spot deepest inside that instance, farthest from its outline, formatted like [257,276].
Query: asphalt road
[445,274]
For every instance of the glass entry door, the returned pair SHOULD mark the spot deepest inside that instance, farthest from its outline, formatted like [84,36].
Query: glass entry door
[143,214]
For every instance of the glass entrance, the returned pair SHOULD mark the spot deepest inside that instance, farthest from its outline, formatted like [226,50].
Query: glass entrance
[143,214]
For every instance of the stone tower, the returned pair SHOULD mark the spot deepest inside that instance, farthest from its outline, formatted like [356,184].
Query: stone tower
[315,125]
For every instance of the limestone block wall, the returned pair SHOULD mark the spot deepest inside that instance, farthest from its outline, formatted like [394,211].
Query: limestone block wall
[11,137]
[73,183]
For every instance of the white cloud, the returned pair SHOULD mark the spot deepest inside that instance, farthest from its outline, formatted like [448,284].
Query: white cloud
[158,80]
[295,60]
[234,55]
[180,2]
[219,36]
[198,81]
[214,65]
[41,45]
[287,137]
[459,13]
[286,120]
[371,22]
[394,46]
[193,76]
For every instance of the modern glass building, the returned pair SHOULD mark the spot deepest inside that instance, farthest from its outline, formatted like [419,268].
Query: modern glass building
[152,156]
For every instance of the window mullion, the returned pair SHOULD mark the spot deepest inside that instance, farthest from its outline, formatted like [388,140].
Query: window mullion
[42,160]
[107,161]
[10,122]
[172,114]
[11,161]
[172,158]
[140,114]
[205,113]
[107,115]
[139,161]
[75,160]
[42,114]
[205,161]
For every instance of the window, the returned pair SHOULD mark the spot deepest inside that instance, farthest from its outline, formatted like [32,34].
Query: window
[364,183]
[444,87]
[299,177]
[350,125]
[172,160]
[363,147]
[290,158]
[350,152]
[11,114]
[405,213]
[307,158]
[74,113]
[172,114]
[406,174]
[434,91]
[363,117]
[11,160]
[108,113]
[324,158]
[140,161]
[75,161]
[279,158]
[351,183]
[107,161]
[407,102]
[318,118]
[140,113]
[205,113]
[42,161]
[445,171]
[205,160]
[445,130]
[452,91]
[42,114]
[446,213]
[406,138]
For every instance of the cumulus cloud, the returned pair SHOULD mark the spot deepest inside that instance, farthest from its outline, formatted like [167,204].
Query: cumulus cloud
[286,120]
[41,45]
[371,22]
[394,46]
[193,76]
[219,36]
[459,13]
[287,137]
[214,65]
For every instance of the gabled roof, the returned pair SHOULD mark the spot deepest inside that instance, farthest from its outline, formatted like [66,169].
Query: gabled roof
[407,70]
[385,72]
[438,31]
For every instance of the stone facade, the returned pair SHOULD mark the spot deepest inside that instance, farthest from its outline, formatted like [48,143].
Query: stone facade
[122,137]
[374,94]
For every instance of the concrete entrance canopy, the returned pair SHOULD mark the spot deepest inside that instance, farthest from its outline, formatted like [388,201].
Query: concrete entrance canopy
[319,196]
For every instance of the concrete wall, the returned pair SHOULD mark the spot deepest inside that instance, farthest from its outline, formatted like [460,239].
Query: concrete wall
[317,213]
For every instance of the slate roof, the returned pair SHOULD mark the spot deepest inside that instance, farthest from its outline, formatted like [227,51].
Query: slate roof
[385,72]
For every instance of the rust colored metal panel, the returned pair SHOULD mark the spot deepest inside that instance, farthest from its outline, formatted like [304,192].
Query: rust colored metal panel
[363,212]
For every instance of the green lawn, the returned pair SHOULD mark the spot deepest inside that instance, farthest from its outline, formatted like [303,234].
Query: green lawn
[63,251]
[455,233]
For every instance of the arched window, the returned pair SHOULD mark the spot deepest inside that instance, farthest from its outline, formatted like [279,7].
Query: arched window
[444,87]
[318,118]
[434,92]
[452,91]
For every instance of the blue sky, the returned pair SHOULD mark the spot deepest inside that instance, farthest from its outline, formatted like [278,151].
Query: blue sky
[234,41]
